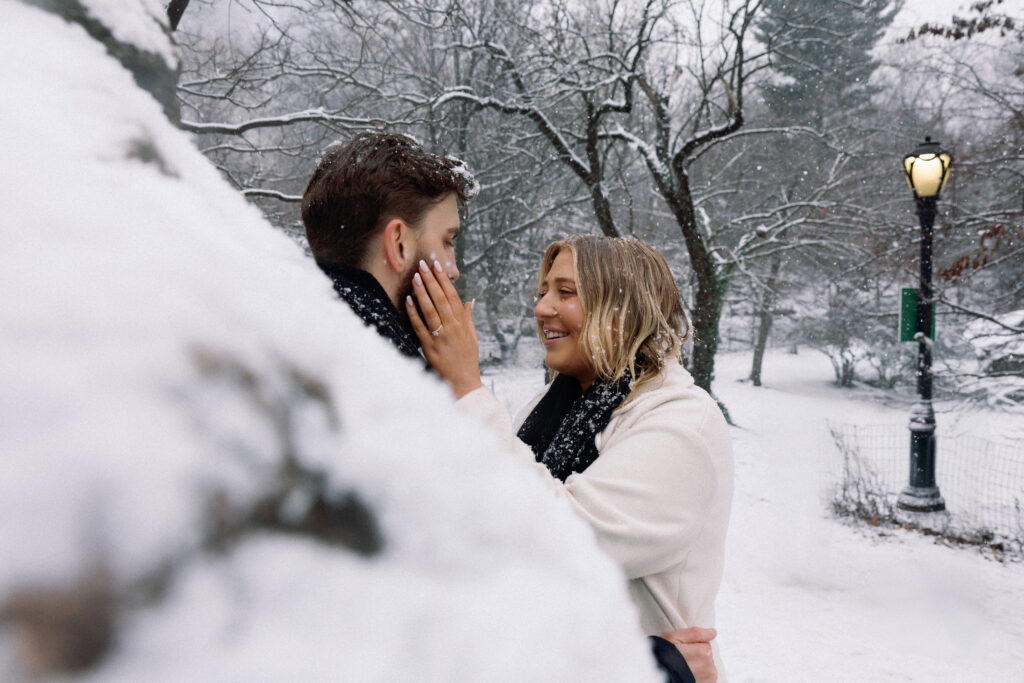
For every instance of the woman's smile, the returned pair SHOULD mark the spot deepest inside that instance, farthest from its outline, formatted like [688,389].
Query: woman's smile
[551,335]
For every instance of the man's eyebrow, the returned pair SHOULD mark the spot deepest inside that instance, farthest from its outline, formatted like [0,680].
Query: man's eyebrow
[453,232]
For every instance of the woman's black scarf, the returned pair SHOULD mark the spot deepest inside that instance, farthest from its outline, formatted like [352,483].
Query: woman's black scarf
[562,426]
[367,298]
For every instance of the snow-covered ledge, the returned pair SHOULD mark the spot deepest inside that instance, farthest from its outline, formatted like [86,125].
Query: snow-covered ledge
[209,470]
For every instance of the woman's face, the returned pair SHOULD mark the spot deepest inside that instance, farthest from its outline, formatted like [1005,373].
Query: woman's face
[560,319]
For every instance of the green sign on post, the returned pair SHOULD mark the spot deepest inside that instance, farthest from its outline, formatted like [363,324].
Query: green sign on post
[908,315]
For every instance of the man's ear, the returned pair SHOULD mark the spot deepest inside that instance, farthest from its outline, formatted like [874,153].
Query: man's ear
[397,243]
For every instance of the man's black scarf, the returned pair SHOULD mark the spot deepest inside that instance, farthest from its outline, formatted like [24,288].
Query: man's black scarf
[367,298]
[562,426]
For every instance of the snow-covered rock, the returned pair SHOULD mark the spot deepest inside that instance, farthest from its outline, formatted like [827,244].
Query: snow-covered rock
[999,350]
[209,470]
[997,344]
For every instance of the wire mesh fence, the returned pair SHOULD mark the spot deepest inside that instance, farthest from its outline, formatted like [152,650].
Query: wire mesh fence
[981,481]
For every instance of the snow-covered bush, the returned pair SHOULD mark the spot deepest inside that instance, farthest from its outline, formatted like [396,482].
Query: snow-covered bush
[998,348]
[209,470]
[859,491]
[859,345]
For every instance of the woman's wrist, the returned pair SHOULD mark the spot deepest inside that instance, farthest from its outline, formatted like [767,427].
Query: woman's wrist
[466,386]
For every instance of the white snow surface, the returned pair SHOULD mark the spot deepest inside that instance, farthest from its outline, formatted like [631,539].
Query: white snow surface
[807,595]
[128,266]
[917,12]
[136,22]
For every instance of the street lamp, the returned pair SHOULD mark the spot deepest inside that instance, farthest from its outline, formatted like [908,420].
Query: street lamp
[927,169]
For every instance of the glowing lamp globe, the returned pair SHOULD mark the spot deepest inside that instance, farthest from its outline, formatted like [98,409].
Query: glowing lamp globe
[927,169]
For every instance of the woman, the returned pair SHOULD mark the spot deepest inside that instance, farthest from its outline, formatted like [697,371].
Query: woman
[640,452]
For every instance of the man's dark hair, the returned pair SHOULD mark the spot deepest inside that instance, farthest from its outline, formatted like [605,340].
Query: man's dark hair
[359,186]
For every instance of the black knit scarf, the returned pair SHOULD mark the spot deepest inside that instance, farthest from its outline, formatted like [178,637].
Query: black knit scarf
[562,426]
[367,298]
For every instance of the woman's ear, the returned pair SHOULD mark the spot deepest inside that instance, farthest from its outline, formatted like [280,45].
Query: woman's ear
[398,249]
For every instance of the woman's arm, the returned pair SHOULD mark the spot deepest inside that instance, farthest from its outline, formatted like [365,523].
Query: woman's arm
[592,503]
[483,405]
[649,494]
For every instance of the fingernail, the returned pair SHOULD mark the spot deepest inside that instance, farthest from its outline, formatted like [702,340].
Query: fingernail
[417,279]
[423,266]
[408,300]
[437,266]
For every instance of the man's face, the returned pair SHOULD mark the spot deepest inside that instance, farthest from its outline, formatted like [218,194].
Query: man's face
[435,240]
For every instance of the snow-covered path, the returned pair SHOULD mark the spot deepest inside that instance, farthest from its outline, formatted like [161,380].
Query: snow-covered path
[807,598]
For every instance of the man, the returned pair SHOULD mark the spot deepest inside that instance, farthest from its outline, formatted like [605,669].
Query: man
[374,209]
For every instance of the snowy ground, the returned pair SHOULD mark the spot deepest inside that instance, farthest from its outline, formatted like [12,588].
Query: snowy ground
[807,598]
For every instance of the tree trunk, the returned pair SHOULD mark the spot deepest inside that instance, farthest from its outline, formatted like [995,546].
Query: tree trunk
[764,328]
[848,373]
[706,314]
[176,8]
[491,300]
[150,71]
[707,307]
[602,210]
[766,318]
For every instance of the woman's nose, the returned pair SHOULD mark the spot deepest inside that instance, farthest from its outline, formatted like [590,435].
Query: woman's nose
[543,308]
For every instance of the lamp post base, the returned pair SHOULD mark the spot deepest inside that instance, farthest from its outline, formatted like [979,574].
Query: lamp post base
[921,499]
[922,508]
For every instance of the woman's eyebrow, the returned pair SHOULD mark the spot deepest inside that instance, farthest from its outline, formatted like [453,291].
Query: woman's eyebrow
[558,281]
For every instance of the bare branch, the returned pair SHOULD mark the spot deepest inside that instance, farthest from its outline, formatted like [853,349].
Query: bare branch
[310,115]
[978,314]
[273,194]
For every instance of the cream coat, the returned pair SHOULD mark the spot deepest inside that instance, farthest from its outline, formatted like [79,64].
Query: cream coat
[658,497]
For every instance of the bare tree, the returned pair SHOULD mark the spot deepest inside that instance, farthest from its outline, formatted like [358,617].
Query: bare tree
[973,67]
[607,86]
[632,117]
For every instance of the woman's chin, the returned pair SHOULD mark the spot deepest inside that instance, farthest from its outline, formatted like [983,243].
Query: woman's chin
[552,361]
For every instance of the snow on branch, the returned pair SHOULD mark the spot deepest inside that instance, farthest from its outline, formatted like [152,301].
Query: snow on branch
[703,137]
[979,314]
[820,137]
[547,128]
[273,194]
[309,115]
[646,150]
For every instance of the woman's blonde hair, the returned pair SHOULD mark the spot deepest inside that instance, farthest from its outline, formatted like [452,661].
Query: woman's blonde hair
[633,315]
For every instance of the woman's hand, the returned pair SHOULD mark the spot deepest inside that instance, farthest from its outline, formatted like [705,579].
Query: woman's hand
[694,643]
[445,330]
